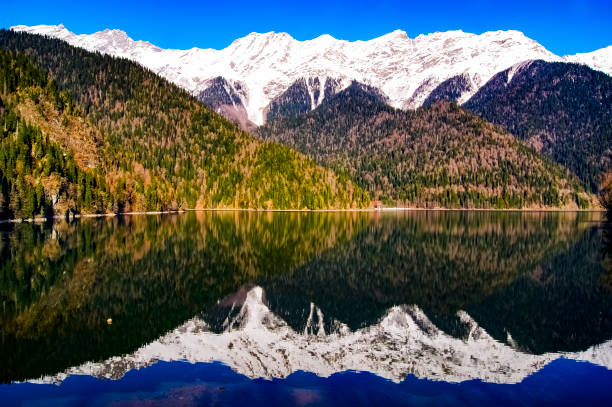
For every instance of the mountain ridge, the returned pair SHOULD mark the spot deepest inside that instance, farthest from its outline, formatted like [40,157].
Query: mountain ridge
[405,69]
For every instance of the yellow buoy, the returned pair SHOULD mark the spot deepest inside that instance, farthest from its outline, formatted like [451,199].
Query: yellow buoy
[109,321]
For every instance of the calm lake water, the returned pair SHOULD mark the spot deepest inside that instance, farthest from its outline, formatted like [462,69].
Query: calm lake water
[225,308]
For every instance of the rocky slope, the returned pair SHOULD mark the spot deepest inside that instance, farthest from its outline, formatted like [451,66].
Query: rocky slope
[451,90]
[225,97]
[302,97]
[265,65]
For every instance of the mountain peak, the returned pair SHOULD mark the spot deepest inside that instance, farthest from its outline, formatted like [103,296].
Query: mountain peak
[325,38]
[56,31]
[442,35]
[394,35]
[115,33]
[259,41]
[600,60]
[269,34]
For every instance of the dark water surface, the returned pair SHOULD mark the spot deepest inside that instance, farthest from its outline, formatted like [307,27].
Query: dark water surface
[407,308]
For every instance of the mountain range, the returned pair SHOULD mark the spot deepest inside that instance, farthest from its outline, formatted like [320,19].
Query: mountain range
[443,120]
[247,79]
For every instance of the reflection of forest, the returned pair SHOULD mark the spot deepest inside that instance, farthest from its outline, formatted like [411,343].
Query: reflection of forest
[561,305]
[148,273]
[607,250]
[441,261]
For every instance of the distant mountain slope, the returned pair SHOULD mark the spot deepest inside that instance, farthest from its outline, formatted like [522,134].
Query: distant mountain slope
[301,97]
[154,145]
[600,60]
[405,69]
[441,155]
[225,97]
[452,90]
[563,110]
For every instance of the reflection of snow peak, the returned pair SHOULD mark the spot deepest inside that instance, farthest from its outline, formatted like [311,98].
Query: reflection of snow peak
[257,343]
[315,312]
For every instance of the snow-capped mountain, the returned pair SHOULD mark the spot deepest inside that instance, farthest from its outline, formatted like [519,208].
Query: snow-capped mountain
[600,60]
[264,66]
[257,343]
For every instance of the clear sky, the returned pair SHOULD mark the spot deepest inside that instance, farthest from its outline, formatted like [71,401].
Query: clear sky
[564,27]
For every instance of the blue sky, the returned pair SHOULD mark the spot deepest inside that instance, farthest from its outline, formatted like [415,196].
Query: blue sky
[564,27]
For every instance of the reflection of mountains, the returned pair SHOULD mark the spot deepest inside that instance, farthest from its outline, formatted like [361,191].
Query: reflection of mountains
[149,274]
[487,264]
[562,305]
[257,343]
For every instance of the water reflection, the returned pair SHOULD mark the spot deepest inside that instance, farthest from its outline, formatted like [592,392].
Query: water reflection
[441,261]
[257,343]
[444,295]
[149,274]
[607,250]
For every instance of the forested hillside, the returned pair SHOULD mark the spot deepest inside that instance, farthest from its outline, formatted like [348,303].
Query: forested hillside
[563,110]
[436,156]
[38,175]
[135,142]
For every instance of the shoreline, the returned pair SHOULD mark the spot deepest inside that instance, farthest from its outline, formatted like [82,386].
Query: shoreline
[42,219]
[376,210]
[398,209]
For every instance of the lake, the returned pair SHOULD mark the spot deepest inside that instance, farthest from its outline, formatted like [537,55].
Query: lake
[336,308]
